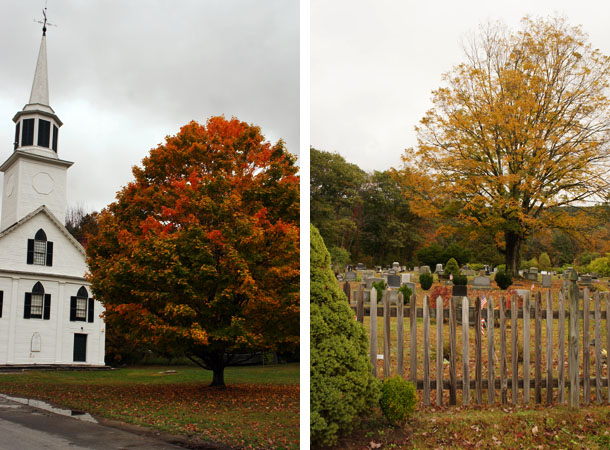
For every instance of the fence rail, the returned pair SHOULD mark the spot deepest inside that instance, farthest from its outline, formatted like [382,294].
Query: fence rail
[515,379]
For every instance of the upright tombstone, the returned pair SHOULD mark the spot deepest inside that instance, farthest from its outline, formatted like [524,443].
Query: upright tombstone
[340,277]
[360,266]
[416,269]
[394,281]
[483,282]
[350,276]
[392,272]
[546,281]
[396,266]
[405,278]
[585,280]
[439,268]
[424,269]
[370,281]
[532,274]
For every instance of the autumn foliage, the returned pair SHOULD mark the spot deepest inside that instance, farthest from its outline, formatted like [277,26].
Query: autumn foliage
[200,252]
[520,130]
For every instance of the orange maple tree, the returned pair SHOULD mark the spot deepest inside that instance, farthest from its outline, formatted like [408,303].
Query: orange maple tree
[200,252]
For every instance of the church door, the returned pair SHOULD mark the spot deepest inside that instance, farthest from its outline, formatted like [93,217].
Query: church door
[80,347]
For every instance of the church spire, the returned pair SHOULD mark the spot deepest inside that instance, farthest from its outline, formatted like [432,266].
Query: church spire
[40,86]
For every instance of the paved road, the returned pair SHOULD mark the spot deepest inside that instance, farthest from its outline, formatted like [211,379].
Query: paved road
[25,427]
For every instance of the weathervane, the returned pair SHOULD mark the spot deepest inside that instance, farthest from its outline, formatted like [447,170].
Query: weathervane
[44,22]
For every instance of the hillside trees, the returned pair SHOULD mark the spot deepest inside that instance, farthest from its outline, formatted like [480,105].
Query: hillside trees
[520,130]
[200,252]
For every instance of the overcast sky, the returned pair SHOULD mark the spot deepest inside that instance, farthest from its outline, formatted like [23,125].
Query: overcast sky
[125,74]
[374,64]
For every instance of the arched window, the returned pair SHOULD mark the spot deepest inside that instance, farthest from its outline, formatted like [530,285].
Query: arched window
[37,304]
[81,306]
[40,251]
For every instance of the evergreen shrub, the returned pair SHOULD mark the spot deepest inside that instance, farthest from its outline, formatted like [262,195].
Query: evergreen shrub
[342,385]
[426,280]
[460,280]
[503,280]
[397,399]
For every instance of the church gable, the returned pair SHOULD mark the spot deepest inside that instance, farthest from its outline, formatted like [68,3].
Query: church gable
[40,244]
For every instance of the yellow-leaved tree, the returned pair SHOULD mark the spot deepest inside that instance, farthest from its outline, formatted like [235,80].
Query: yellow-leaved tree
[520,130]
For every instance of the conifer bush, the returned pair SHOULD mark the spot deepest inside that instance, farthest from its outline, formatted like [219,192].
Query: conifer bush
[426,280]
[397,399]
[503,280]
[342,385]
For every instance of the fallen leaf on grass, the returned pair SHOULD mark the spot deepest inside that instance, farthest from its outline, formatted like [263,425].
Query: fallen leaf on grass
[374,444]
[535,430]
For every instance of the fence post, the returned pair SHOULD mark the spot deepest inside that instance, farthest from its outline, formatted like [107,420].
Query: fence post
[514,337]
[573,386]
[526,349]
[503,368]
[386,334]
[439,351]
[373,326]
[413,331]
[452,362]
[491,375]
[561,337]
[348,294]
[608,342]
[586,353]
[465,357]
[598,349]
[426,352]
[538,350]
[360,304]
[478,356]
[549,347]
[400,332]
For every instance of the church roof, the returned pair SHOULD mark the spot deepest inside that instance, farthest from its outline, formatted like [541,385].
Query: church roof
[44,210]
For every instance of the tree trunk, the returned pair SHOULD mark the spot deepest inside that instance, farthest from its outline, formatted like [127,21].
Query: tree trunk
[219,376]
[513,251]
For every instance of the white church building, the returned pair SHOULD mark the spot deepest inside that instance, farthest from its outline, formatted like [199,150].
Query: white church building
[47,313]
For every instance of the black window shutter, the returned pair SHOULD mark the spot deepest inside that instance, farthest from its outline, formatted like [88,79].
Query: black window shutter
[1,298]
[47,307]
[72,309]
[27,305]
[90,311]
[30,259]
[49,253]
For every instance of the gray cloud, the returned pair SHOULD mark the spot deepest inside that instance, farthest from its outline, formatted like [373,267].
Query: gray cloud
[125,74]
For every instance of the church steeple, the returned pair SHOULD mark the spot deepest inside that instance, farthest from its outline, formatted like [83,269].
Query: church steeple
[37,125]
[33,174]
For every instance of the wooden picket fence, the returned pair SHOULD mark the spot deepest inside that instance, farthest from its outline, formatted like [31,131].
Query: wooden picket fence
[497,373]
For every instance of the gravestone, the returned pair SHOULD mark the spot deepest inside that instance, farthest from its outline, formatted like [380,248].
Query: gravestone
[394,281]
[482,282]
[396,266]
[405,278]
[585,280]
[378,269]
[522,292]
[468,272]
[546,281]
[416,269]
[424,269]
[392,272]
[350,276]
[532,274]
[370,281]
[403,268]
[439,268]
[411,286]
[340,276]
[360,266]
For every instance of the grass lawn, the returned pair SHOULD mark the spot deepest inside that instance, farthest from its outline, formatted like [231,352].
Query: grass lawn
[258,409]
[488,428]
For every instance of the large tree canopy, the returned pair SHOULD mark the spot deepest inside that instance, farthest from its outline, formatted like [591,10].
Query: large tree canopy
[201,251]
[520,129]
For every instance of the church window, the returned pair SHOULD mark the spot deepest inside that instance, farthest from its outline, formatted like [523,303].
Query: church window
[55,137]
[81,306]
[40,251]
[44,133]
[28,132]
[37,304]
